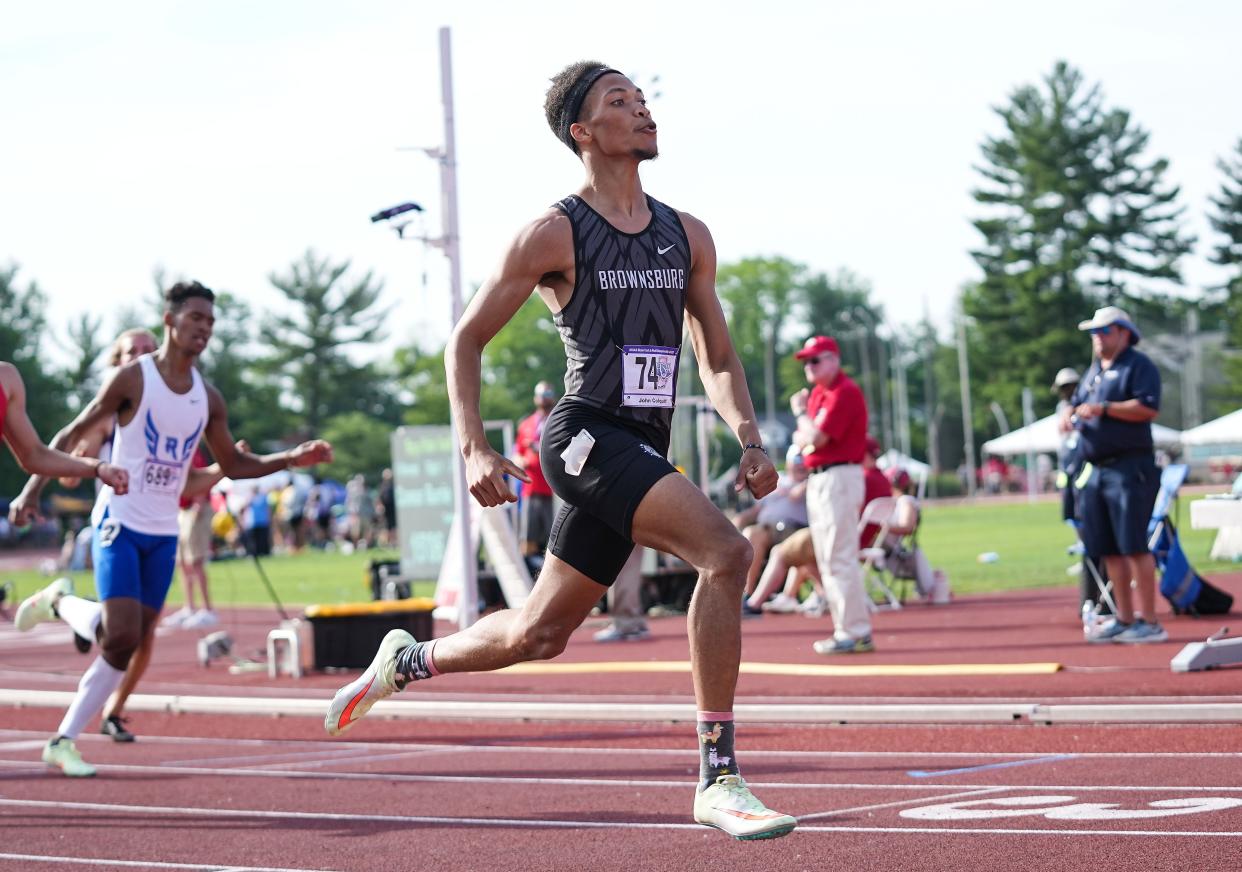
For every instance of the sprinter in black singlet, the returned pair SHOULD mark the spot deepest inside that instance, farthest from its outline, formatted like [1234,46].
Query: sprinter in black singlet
[621,272]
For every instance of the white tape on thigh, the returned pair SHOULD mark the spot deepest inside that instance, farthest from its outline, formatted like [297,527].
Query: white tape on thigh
[575,454]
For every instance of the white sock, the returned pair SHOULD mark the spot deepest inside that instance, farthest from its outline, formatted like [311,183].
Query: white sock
[97,684]
[81,614]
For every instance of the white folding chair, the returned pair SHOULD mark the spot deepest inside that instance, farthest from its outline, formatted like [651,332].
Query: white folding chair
[876,575]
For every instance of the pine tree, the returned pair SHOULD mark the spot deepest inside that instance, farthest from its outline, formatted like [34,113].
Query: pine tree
[86,348]
[308,346]
[1038,181]
[1077,217]
[1227,221]
[1135,229]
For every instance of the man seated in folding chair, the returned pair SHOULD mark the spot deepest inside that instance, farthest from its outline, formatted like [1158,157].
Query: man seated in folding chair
[895,555]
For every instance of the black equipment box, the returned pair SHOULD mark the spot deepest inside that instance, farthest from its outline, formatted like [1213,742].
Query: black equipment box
[347,635]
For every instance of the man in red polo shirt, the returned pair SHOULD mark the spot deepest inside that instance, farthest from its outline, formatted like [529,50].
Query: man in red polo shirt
[536,496]
[832,432]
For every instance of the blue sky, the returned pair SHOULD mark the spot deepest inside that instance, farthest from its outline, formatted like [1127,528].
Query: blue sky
[222,140]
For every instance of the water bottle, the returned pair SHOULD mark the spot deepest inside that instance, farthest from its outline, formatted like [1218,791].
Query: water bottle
[1088,618]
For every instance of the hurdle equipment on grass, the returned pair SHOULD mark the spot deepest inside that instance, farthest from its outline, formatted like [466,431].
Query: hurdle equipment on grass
[1214,651]
[214,646]
[286,652]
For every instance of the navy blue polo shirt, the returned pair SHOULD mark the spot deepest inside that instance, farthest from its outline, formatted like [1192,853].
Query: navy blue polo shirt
[1131,377]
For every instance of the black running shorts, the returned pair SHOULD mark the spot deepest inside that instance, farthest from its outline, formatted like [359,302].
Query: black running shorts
[592,533]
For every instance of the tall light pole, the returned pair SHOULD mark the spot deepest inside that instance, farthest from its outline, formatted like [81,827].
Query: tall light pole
[449,242]
[968,431]
[468,605]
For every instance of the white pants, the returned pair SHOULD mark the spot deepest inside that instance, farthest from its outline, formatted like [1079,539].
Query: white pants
[625,596]
[834,500]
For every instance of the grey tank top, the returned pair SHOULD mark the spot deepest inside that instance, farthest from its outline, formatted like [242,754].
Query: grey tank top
[622,326]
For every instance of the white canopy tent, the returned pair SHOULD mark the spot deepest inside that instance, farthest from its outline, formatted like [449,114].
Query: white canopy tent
[1226,430]
[1044,437]
[917,469]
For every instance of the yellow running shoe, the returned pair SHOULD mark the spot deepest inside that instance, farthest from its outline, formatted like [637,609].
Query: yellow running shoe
[64,755]
[730,806]
[378,682]
[37,608]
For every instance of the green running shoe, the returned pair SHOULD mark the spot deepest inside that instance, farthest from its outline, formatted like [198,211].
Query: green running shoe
[37,608]
[729,805]
[64,755]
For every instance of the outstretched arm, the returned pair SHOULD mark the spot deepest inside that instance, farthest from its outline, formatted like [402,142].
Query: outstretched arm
[48,462]
[719,366]
[237,463]
[541,250]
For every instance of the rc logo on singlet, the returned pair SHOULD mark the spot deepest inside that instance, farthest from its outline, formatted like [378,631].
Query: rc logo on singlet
[178,450]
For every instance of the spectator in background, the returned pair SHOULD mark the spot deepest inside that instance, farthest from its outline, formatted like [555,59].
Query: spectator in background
[258,522]
[193,552]
[902,554]
[875,485]
[832,432]
[358,510]
[386,509]
[625,604]
[1113,408]
[536,523]
[773,519]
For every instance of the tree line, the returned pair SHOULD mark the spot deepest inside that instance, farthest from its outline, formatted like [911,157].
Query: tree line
[1074,212]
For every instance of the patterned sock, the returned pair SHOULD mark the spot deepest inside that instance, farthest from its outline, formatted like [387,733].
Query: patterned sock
[716,755]
[415,662]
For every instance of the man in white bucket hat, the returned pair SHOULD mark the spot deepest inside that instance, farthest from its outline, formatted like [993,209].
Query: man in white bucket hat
[1112,410]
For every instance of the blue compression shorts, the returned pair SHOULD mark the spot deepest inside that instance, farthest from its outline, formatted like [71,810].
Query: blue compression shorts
[135,565]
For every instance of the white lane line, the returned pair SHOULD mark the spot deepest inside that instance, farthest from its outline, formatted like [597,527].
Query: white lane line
[356,756]
[148,864]
[256,759]
[238,813]
[500,748]
[498,779]
[23,745]
[861,808]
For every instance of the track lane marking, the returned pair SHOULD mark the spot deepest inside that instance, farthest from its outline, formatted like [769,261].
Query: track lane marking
[499,746]
[897,803]
[149,864]
[262,814]
[682,784]
[1008,764]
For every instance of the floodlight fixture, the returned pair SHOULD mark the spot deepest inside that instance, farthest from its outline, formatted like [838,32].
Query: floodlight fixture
[394,211]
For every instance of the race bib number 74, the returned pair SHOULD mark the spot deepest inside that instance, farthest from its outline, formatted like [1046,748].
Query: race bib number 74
[648,373]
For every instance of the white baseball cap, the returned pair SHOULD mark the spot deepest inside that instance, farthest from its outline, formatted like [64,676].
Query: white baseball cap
[1107,317]
[1067,375]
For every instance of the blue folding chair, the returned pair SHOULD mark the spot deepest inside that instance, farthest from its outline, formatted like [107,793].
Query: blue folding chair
[1179,583]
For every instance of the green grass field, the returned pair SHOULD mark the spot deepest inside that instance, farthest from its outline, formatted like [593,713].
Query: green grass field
[1029,539]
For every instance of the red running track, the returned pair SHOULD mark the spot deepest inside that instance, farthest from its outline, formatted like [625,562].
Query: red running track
[230,793]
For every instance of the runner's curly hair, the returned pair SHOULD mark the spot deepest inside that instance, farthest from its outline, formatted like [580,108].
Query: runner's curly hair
[175,297]
[565,96]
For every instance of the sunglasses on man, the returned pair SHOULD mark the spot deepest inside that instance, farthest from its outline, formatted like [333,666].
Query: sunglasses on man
[1101,331]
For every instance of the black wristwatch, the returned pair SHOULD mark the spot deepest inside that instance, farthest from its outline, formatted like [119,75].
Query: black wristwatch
[1104,409]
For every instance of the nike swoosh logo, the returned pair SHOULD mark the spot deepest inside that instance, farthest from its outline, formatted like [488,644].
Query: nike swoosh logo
[747,816]
[666,249]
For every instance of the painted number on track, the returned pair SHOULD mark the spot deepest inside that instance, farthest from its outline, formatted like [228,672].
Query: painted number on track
[1063,808]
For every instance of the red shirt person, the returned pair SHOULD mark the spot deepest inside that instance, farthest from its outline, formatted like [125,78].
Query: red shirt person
[537,515]
[832,431]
